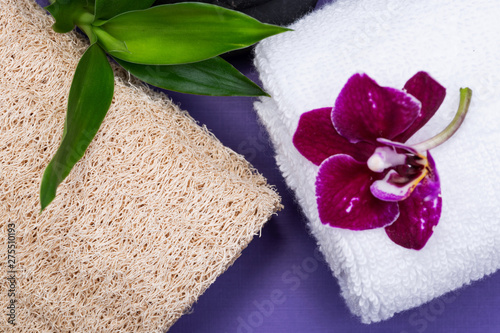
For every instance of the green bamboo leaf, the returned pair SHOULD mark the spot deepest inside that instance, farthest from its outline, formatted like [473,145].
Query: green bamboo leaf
[65,13]
[183,33]
[212,77]
[106,9]
[88,102]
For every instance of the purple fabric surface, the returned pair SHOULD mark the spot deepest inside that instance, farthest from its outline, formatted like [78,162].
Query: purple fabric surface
[280,283]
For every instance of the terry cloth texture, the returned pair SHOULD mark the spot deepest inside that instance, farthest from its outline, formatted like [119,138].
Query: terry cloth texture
[156,210]
[457,43]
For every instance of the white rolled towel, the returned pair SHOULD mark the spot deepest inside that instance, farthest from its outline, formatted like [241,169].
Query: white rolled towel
[457,43]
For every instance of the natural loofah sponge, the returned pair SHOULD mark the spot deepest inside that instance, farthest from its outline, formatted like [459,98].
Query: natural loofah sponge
[156,210]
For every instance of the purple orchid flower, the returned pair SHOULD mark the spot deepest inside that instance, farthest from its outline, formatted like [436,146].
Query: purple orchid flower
[368,178]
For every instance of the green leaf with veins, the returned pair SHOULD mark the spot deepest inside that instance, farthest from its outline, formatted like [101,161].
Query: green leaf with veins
[213,77]
[182,33]
[88,102]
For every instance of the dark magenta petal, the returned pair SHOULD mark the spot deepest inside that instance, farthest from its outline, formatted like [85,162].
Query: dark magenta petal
[419,214]
[430,93]
[317,140]
[344,197]
[365,111]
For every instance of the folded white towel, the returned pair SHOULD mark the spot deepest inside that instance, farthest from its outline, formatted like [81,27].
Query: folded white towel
[457,43]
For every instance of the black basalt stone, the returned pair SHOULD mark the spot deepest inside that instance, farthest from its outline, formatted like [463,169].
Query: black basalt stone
[279,12]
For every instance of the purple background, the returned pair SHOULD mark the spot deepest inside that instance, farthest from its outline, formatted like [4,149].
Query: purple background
[280,283]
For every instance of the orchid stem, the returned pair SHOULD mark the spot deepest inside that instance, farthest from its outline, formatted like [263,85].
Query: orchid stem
[463,107]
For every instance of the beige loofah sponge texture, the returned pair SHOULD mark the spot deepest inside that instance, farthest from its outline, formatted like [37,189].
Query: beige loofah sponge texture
[156,210]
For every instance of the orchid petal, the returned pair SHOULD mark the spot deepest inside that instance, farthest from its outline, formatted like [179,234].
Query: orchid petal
[430,93]
[420,213]
[317,139]
[344,197]
[388,189]
[365,111]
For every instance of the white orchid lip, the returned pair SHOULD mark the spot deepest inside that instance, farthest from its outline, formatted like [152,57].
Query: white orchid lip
[409,168]
[389,189]
[402,178]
